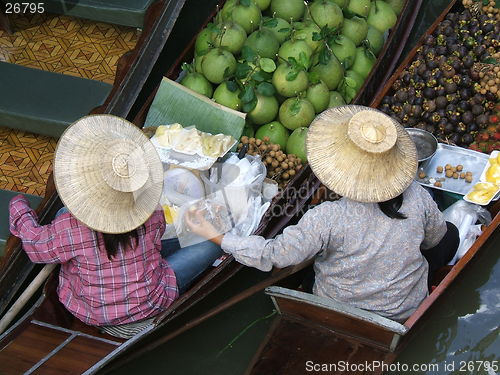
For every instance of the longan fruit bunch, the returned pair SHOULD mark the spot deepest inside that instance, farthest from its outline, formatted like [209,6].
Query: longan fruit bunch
[280,166]
[490,80]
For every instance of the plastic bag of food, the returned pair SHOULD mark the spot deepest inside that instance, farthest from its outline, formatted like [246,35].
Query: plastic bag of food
[465,216]
[189,147]
[213,211]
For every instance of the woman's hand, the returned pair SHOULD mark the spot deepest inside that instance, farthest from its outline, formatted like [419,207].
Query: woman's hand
[200,226]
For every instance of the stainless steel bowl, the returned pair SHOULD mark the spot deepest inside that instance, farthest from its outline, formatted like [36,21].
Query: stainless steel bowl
[425,142]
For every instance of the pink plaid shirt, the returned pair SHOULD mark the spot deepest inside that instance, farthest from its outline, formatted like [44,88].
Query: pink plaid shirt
[135,285]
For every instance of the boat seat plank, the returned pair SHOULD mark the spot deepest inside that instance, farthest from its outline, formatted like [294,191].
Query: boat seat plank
[75,357]
[292,345]
[338,317]
[119,12]
[45,103]
[21,354]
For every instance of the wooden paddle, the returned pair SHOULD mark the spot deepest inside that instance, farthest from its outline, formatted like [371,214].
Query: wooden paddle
[26,295]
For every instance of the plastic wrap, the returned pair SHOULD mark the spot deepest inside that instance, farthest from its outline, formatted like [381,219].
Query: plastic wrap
[465,217]
[213,211]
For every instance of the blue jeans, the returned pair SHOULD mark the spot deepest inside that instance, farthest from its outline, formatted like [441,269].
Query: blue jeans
[61,211]
[189,262]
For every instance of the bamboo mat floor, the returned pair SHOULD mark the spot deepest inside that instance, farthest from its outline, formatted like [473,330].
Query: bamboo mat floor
[59,44]
[67,45]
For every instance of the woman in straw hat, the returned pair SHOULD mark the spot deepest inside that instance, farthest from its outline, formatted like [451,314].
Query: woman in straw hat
[367,245]
[110,179]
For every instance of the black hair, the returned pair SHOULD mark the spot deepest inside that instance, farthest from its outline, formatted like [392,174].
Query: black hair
[391,207]
[113,242]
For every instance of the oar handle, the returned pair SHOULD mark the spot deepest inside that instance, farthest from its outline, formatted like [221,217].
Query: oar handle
[25,296]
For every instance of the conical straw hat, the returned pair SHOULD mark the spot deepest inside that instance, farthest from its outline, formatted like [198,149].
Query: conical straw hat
[361,153]
[107,173]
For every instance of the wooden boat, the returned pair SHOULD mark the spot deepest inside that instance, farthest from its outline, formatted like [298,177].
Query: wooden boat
[352,340]
[349,336]
[133,70]
[47,320]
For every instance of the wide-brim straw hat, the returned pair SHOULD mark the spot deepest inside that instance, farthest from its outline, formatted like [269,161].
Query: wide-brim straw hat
[361,153]
[107,173]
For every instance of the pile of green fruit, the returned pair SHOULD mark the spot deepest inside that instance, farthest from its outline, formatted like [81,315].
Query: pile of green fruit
[284,61]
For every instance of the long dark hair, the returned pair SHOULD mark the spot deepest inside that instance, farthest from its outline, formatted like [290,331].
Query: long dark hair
[391,207]
[113,242]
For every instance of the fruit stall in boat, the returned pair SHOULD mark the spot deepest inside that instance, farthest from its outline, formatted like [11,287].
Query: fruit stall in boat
[359,337]
[48,319]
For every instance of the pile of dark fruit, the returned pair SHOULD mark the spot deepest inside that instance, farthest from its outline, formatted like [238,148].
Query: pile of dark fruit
[437,92]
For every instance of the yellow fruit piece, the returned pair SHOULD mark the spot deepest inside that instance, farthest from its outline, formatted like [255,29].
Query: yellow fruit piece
[482,192]
[479,196]
[493,174]
[498,158]
[170,214]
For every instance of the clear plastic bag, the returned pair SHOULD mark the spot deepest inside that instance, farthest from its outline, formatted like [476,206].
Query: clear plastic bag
[213,212]
[465,216]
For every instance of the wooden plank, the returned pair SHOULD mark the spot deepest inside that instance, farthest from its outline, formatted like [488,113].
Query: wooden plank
[75,357]
[28,348]
[296,348]
[343,324]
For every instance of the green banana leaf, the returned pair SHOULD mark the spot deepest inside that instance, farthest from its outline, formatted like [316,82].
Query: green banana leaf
[175,103]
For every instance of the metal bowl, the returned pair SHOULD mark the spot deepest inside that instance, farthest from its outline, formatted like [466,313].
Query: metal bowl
[425,142]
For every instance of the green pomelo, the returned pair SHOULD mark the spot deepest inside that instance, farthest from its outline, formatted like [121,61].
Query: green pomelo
[294,48]
[276,132]
[265,110]
[288,9]
[359,7]
[296,112]
[287,87]
[336,100]
[326,13]
[350,85]
[296,143]
[227,9]
[396,5]
[364,61]
[232,37]
[355,29]
[319,96]
[280,28]
[197,82]
[340,3]
[345,50]
[262,4]
[226,97]
[197,64]
[330,73]
[304,31]
[203,40]
[376,39]
[382,16]
[218,63]
[264,43]
[247,17]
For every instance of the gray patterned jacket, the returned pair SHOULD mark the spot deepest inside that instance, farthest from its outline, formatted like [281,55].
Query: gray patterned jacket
[363,257]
